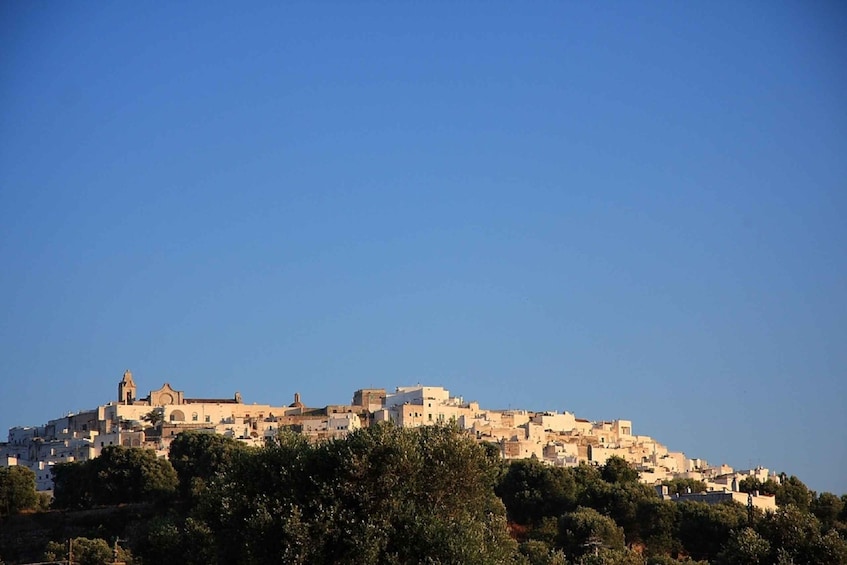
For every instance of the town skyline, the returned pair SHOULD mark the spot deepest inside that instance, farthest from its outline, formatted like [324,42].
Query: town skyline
[519,432]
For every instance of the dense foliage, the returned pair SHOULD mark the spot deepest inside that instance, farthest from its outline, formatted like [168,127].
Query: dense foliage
[790,490]
[601,515]
[87,551]
[198,457]
[382,495]
[427,495]
[17,490]
[119,475]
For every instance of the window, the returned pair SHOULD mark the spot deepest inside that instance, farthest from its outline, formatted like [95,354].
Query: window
[208,418]
[194,416]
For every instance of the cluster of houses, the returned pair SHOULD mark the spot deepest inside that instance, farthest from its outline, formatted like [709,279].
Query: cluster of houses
[555,438]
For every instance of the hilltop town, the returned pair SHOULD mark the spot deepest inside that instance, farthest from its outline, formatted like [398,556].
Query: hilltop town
[557,439]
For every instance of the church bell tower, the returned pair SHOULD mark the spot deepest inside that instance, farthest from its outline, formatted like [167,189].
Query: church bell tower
[126,389]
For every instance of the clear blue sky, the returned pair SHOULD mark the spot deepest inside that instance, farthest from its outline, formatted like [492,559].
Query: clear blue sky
[621,209]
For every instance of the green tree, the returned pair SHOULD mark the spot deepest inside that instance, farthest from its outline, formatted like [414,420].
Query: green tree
[540,553]
[588,483]
[155,417]
[17,490]
[618,499]
[546,530]
[585,530]
[832,548]
[381,495]
[622,503]
[751,484]
[162,541]
[605,556]
[792,491]
[705,528]
[618,470]
[680,485]
[658,522]
[131,474]
[73,485]
[791,530]
[532,491]
[199,456]
[827,507]
[174,538]
[87,551]
[796,535]
[119,475]
[198,543]
[745,547]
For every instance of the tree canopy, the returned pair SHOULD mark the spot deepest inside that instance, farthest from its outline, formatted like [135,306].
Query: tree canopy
[382,495]
[198,456]
[17,490]
[87,551]
[391,495]
[119,475]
